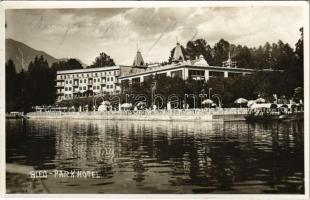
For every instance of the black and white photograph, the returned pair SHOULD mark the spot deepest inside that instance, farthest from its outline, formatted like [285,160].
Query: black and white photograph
[154,98]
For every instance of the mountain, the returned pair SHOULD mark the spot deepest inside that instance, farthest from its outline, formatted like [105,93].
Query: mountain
[22,55]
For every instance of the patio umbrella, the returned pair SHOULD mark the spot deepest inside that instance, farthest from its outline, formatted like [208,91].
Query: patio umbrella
[250,103]
[141,103]
[126,105]
[241,101]
[107,103]
[207,101]
[260,100]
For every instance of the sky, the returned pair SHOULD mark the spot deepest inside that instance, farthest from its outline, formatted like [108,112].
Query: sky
[84,33]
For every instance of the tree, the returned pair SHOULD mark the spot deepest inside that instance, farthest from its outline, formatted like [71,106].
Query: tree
[67,65]
[258,58]
[23,97]
[242,55]
[199,47]
[40,83]
[103,60]
[299,52]
[220,52]
[11,89]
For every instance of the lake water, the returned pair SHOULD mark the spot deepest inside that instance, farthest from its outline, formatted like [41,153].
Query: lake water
[162,157]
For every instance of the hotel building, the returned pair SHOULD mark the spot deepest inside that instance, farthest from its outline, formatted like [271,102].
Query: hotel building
[197,69]
[108,80]
[80,82]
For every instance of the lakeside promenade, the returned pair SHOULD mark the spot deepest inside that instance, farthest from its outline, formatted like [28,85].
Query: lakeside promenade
[202,115]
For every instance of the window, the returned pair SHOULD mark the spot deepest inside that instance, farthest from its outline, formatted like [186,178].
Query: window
[95,80]
[70,81]
[66,89]
[216,74]
[108,79]
[136,80]
[178,73]
[84,88]
[84,80]
[66,82]
[70,88]
[233,75]
[196,73]
[80,88]
[111,78]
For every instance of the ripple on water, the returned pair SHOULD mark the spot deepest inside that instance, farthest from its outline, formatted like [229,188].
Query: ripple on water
[152,157]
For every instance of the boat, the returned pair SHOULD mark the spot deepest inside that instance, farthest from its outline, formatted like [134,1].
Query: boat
[273,112]
[14,115]
[265,118]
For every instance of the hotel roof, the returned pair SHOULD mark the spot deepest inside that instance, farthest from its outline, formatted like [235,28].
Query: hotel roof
[86,70]
[138,61]
[178,54]
[187,64]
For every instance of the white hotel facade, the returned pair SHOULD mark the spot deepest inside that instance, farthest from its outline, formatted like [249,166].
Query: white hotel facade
[108,80]
[74,83]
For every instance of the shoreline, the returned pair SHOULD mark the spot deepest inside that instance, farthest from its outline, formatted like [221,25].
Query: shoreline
[179,115]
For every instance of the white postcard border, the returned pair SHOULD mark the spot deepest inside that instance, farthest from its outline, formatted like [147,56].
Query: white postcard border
[117,4]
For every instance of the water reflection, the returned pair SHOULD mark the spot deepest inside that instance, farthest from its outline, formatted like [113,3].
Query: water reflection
[165,157]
